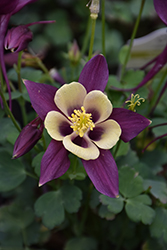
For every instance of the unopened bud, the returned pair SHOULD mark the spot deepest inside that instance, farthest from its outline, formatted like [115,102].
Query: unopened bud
[28,137]
[74,54]
[17,38]
[56,76]
[94,8]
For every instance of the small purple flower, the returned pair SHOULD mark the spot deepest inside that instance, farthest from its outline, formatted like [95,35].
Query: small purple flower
[80,119]
[28,137]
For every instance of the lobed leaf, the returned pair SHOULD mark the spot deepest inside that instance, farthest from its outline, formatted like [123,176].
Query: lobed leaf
[137,209]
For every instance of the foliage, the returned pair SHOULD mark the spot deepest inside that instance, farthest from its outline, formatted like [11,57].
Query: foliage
[69,213]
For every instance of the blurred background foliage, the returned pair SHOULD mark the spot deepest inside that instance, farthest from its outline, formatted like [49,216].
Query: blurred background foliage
[75,216]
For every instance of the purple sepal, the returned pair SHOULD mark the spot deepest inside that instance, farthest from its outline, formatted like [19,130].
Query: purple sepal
[21,4]
[55,162]
[103,173]
[18,38]
[7,6]
[130,122]
[94,75]
[28,137]
[161,9]
[42,97]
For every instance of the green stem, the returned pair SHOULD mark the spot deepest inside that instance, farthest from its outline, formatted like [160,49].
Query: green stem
[21,100]
[103,27]
[31,175]
[19,71]
[86,38]
[42,66]
[132,38]
[8,111]
[92,38]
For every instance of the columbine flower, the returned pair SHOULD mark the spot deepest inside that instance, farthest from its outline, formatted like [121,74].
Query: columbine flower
[28,137]
[7,9]
[80,119]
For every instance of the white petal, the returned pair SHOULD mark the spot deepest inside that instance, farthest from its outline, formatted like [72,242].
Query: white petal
[57,125]
[97,103]
[90,152]
[69,97]
[109,134]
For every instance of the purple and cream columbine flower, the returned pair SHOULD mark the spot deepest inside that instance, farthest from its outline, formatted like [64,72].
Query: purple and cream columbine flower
[80,119]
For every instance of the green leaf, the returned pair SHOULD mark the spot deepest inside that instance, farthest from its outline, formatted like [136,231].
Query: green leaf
[71,196]
[129,159]
[133,77]
[158,228]
[105,213]
[82,243]
[36,163]
[161,129]
[14,218]
[12,172]
[94,200]
[123,53]
[155,159]
[51,205]
[76,170]
[158,189]
[144,170]
[7,128]
[123,149]
[26,73]
[11,241]
[114,205]
[130,183]
[137,209]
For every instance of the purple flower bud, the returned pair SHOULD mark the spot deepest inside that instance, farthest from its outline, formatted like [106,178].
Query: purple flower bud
[28,137]
[17,38]
[56,76]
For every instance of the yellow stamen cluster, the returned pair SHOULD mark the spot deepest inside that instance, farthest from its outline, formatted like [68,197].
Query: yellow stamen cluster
[135,100]
[81,121]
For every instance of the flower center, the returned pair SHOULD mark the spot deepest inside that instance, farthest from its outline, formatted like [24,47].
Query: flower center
[81,121]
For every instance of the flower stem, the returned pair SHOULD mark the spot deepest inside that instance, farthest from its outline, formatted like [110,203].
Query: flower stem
[86,38]
[19,71]
[92,38]
[31,175]
[132,38]
[8,111]
[103,26]
[42,66]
